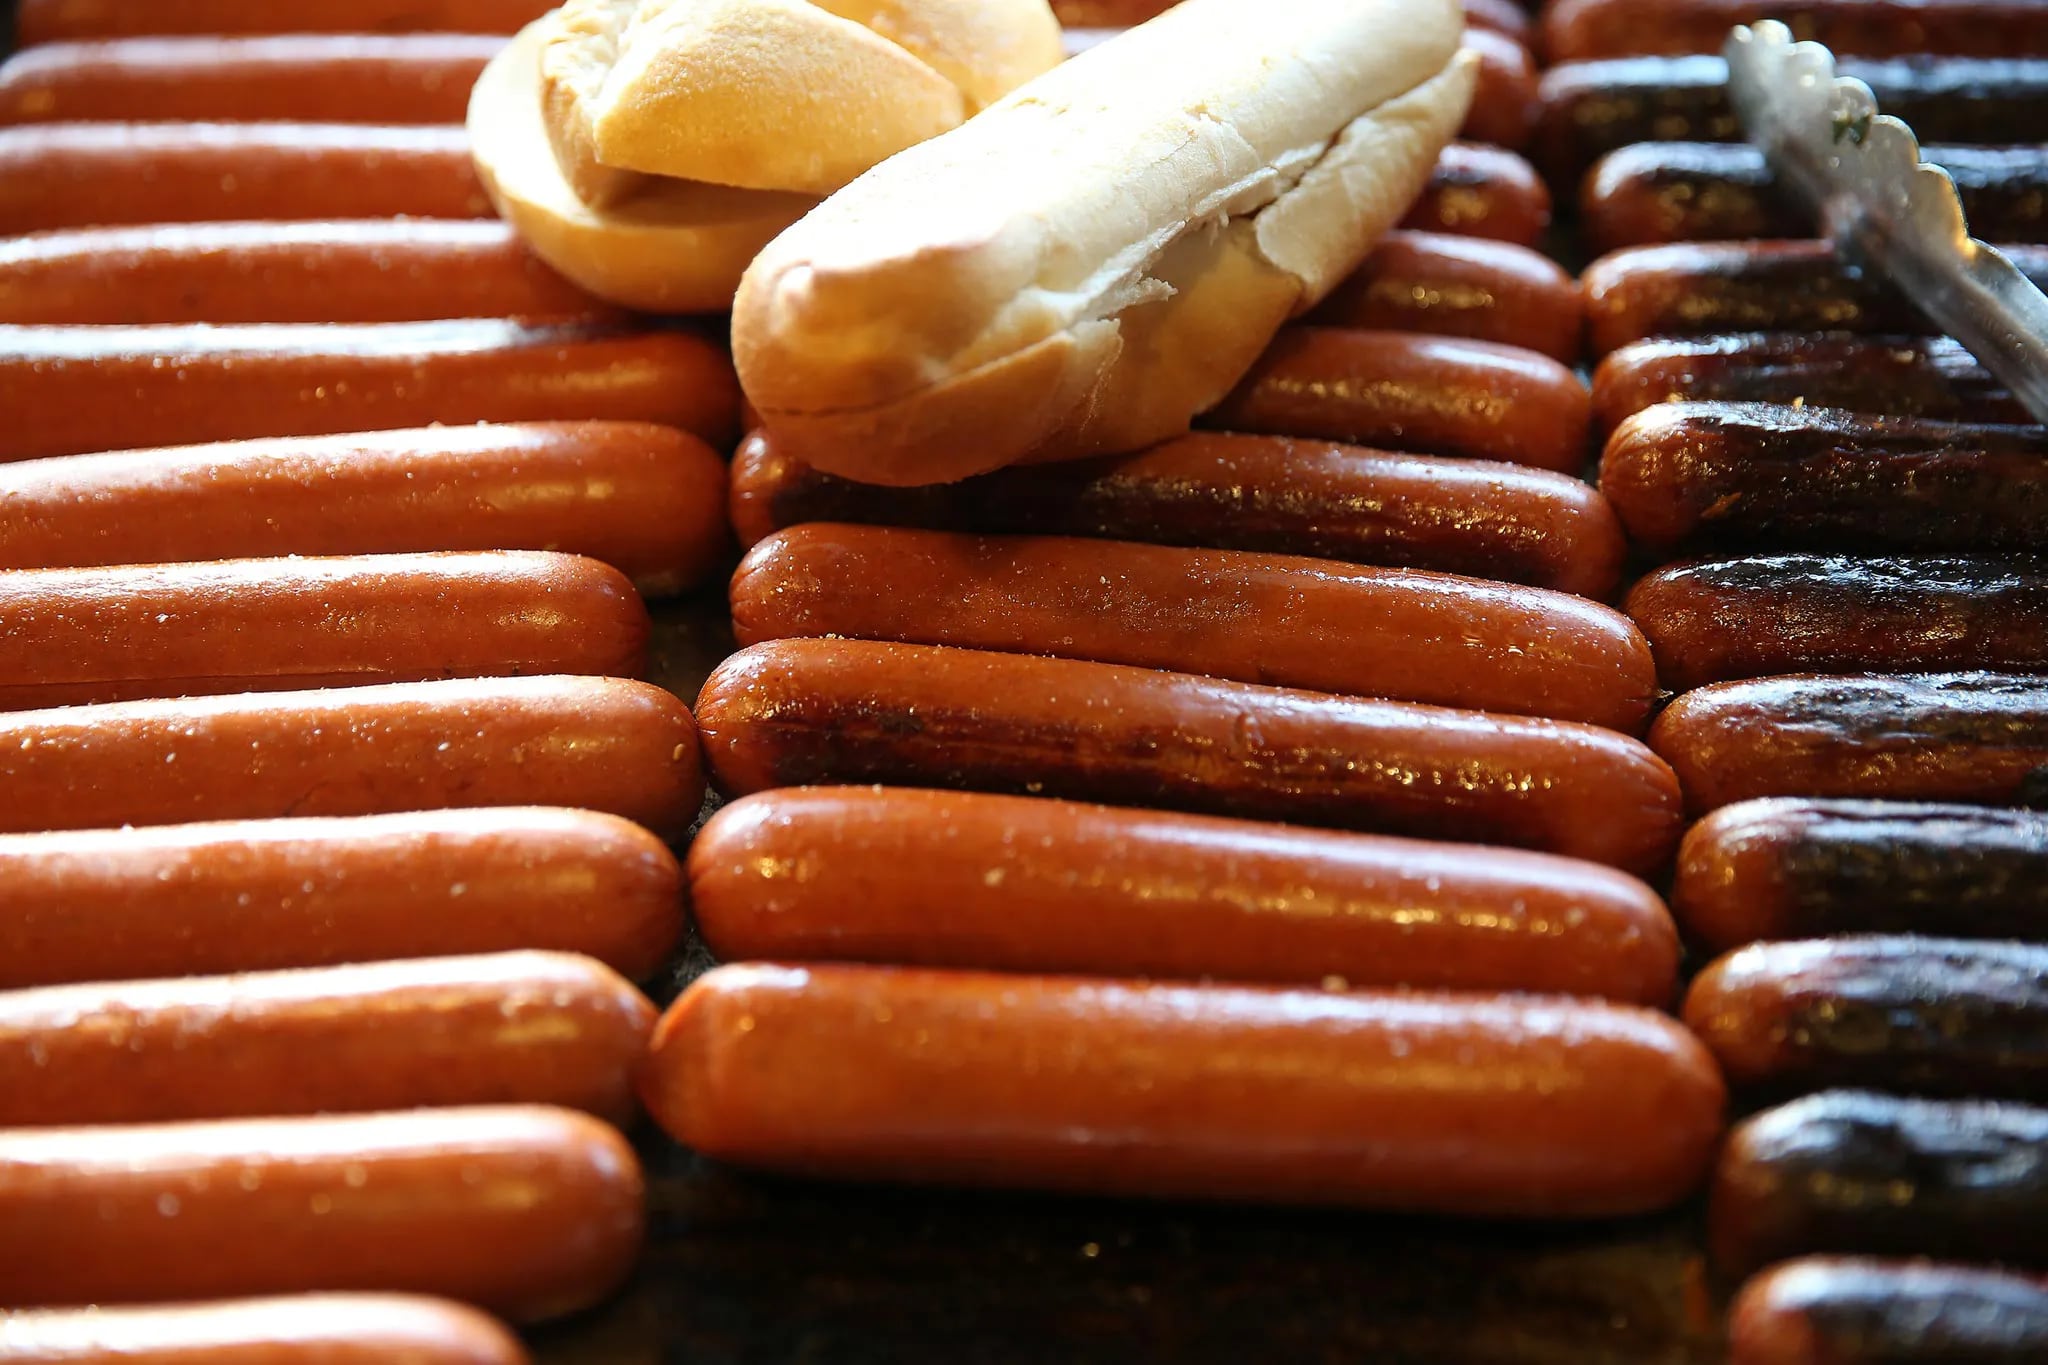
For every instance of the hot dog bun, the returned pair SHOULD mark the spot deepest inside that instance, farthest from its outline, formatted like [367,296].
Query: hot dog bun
[1103,253]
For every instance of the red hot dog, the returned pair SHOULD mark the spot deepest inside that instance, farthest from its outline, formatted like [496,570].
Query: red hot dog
[1839,1310]
[1461,287]
[42,21]
[1574,30]
[1480,191]
[308,1329]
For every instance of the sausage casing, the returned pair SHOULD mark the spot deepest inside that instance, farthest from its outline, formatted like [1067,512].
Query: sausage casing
[1501,15]
[1226,491]
[300,1329]
[1978,738]
[1125,1088]
[1468,287]
[1786,869]
[795,712]
[260,895]
[604,744]
[1431,395]
[1827,1310]
[1007,883]
[1503,108]
[1274,619]
[527,1211]
[1574,29]
[1721,620]
[509,1028]
[1481,191]
[42,21]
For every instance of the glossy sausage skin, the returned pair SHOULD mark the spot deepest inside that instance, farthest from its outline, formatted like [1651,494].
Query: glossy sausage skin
[603,744]
[1274,619]
[74,636]
[70,175]
[398,270]
[1503,108]
[354,78]
[1706,191]
[1577,29]
[1890,376]
[1430,395]
[524,1210]
[1132,1089]
[1225,491]
[1007,883]
[311,1329]
[1722,620]
[1503,16]
[260,895]
[796,712]
[119,388]
[1788,869]
[43,21]
[1976,738]
[1467,287]
[1481,191]
[648,500]
[1824,1310]
[1879,1175]
[509,1028]
[1929,1016]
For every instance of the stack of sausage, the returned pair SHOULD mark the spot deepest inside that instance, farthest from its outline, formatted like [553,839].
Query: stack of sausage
[1858,631]
[369,841]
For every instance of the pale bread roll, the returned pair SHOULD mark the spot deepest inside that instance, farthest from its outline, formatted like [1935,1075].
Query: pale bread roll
[1104,253]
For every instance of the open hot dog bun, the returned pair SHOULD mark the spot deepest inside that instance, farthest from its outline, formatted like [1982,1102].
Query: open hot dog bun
[1104,253]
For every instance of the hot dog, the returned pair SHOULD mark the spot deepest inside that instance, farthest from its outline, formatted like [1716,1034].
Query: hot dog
[1274,619]
[117,388]
[802,711]
[1781,869]
[310,1329]
[1015,884]
[67,175]
[352,78]
[43,21]
[1721,620]
[1877,1175]
[1461,287]
[1893,376]
[1932,1016]
[1501,15]
[194,900]
[524,1210]
[1125,1088]
[1705,288]
[402,270]
[1431,395]
[71,636]
[1824,1310]
[604,744]
[1978,738]
[648,500]
[1503,108]
[1706,191]
[1576,29]
[1480,191]
[1224,491]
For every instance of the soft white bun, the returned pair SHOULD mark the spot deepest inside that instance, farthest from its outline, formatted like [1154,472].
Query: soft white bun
[1104,253]
[676,247]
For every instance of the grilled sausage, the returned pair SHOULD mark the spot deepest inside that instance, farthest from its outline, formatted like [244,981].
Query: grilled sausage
[402,270]
[1823,1310]
[323,1329]
[1783,869]
[1270,493]
[1272,619]
[524,1210]
[1461,287]
[604,744]
[1876,1175]
[1431,395]
[1978,738]
[1501,15]
[71,636]
[1891,376]
[335,78]
[1735,476]
[1126,1088]
[1481,191]
[1503,108]
[43,21]
[1576,29]
[116,388]
[192,900]
[69,175]
[1722,620]
[1929,1016]
[804,711]
[646,499]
